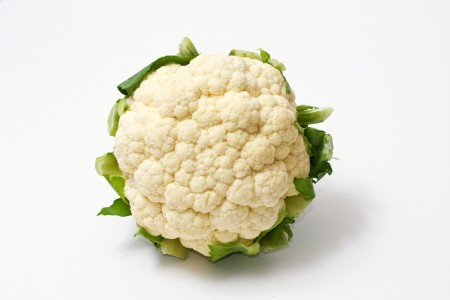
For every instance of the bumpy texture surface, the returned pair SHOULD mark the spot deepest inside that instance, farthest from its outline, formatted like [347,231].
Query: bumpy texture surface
[209,150]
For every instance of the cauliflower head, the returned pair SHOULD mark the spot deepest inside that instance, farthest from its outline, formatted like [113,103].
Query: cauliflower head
[208,150]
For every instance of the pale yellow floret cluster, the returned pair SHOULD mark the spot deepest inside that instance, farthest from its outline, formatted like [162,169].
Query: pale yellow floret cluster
[210,150]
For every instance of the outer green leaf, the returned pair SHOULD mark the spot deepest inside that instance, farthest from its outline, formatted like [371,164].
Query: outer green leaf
[278,237]
[118,208]
[277,65]
[187,48]
[118,185]
[171,247]
[325,152]
[265,58]
[303,107]
[186,54]
[295,205]
[218,252]
[264,55]
[156,240]
[314,136]
[321,153]
[323,169]
[108,167]
[313,116]
[122,106]
[288,87]
[305,187]
[243,53]
[321,149]
[128,86]
[119,108]
[113,120]
[281,216]
[174,248]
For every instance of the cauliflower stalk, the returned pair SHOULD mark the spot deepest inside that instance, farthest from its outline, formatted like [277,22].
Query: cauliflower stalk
[212,154]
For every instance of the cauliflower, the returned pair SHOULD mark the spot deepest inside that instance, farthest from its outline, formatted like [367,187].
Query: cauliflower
[212,153]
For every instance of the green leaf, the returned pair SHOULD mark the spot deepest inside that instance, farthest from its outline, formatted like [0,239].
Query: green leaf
[321,152]
[131,84]
[113,120]
[265,58]
[264,55]
[288,87]
[174,248]
[156,240]
[278,237]
[323,169]
[280,233]
[277,65]
[295,205]
[303,107]
[314,136]
[305,187]
[313,116]
[187,52]
[187,48]
[108,167]
[122,106]
[119,108]
[118,208]
[325,151]
[220,251]
[243,53]
[281,216]
[118,185]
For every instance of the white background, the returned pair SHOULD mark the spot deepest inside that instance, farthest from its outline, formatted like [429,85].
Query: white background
[379,227]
